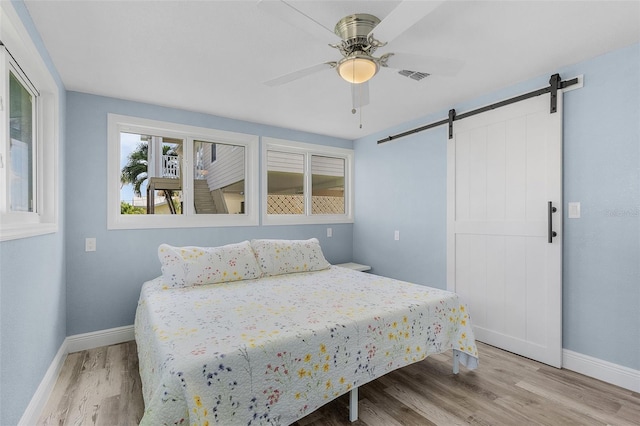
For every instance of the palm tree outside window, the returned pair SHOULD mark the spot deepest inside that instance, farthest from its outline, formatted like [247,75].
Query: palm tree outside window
[135,174]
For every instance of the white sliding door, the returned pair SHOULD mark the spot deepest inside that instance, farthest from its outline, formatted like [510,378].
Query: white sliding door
[503,167]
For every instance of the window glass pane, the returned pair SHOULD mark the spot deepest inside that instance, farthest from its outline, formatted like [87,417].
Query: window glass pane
[150,174]
[285,183]
[218,178]
[21,120]
[327,185]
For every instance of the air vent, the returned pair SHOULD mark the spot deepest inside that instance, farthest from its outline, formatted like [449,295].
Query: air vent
[416,75]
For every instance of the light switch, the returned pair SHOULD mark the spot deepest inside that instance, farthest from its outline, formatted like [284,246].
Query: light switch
[329,232]
[574,210]
[396,235]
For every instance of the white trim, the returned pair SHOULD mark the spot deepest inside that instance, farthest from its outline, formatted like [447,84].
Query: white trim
[41,396]
[14,232]
[606,371]
[78,342]
[112,336]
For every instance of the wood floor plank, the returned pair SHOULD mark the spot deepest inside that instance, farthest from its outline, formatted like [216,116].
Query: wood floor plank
[95,358]
[375,415]
[629,413]
[598,414]
[60,399]
[374,392]
[109,412]
[102,386]
[468,399]
[131,402]
[426,407]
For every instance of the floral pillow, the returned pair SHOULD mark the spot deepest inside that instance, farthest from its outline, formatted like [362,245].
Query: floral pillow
[187,266]
[277,257]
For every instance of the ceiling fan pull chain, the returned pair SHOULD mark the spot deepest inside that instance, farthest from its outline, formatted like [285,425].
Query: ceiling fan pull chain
[360,103]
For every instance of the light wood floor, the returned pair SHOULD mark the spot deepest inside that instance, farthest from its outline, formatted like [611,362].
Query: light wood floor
[102,387]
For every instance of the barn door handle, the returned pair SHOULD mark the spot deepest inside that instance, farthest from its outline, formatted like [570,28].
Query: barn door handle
[550,232]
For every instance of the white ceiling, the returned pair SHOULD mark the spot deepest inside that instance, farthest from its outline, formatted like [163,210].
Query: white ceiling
[214,56]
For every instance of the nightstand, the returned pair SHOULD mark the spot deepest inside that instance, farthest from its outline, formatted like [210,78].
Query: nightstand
[355,266]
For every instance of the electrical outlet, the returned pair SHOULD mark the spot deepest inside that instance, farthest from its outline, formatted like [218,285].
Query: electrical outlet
[90,244]
[329,232]
[396,235]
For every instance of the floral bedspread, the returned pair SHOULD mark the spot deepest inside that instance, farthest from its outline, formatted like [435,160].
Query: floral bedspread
[272,350]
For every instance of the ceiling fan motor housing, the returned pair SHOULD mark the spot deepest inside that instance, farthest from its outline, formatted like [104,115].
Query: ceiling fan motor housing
[358,24]
[354,31]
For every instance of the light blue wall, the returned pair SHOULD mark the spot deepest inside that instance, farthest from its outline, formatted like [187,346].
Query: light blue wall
[402,185]
[103,286]
[602,249]
[32,293]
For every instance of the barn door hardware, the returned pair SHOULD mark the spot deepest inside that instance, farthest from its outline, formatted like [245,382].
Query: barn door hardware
[555,84]
[452,117]
[550,232]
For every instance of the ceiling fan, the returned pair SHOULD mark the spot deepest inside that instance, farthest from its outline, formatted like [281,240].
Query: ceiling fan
[357,45]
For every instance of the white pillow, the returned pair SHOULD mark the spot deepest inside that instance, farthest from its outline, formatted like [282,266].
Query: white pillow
[187,266]
[277,257]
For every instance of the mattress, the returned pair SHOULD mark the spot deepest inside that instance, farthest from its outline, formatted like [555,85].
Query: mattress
[274,349]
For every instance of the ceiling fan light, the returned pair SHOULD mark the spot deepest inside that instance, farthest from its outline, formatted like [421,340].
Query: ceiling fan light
[357,69]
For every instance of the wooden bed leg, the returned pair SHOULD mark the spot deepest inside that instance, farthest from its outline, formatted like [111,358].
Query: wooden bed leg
[456,361]
[353,405]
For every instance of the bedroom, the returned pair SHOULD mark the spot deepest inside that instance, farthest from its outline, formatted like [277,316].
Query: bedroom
[52,289]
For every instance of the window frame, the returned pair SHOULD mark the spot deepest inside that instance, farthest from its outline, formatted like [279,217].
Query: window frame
[308,150]
[19,55]
[189,134]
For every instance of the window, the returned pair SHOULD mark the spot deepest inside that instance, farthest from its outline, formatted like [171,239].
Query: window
[327,185]
[170,175]
[150,174]
[29,143]
[305,183]
[22,144]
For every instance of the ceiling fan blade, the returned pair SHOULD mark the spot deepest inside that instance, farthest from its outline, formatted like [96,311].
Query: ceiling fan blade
[360,95]
[299,74]
[434,65]
[405,15]
[289,14]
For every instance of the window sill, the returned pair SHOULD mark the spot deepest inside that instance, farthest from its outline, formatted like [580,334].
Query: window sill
[16,232]
[118,221]
[304,220]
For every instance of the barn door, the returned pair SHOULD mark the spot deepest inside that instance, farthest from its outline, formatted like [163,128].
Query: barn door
[503,168]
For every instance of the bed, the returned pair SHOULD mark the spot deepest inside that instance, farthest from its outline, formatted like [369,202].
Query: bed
[283,337]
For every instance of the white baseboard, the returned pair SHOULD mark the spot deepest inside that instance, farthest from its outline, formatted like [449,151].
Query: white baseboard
[78,342]
[112,336]
[609,372]
[40,397]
